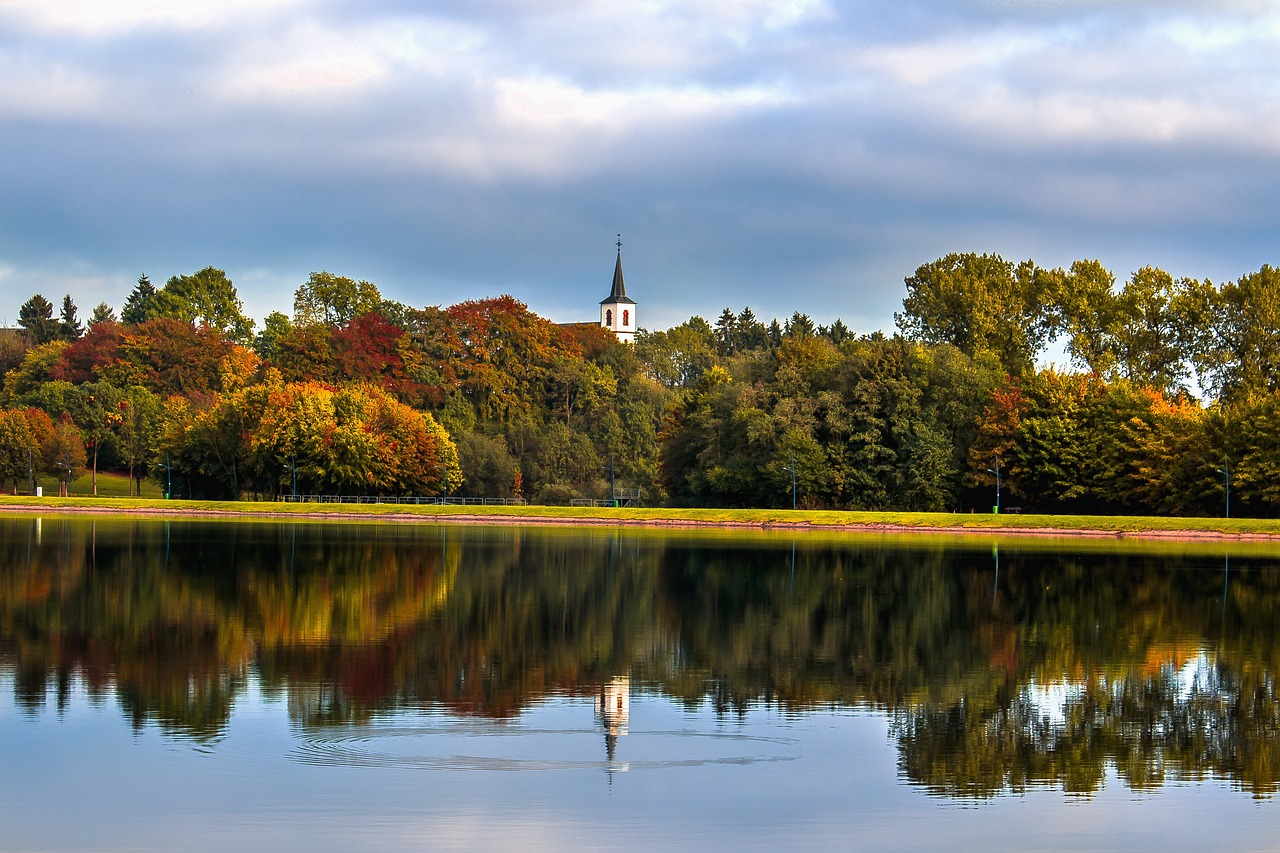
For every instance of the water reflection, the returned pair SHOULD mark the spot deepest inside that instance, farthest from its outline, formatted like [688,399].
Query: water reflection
[1000,669]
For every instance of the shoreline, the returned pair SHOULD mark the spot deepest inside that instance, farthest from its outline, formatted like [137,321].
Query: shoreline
[657,521]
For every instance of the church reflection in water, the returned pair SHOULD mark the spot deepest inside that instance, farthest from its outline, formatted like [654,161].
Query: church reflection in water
[613,709]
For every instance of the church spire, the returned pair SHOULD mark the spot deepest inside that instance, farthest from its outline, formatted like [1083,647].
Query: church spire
[617,310]
[619,292]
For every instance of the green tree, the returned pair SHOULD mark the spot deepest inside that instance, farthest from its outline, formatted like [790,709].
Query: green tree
[679,356]
[36,317]
[333,300]
[102,313]
[69,326]
[1239,357]
[1153,329]
[140,306]
[1088,312]
[275,329]
[981,303]
[206,298]
[138,433]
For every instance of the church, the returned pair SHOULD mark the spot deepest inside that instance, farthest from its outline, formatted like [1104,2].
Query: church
[617,310]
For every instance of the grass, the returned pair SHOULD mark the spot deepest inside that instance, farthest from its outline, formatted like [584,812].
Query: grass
[110,485]
[112,488]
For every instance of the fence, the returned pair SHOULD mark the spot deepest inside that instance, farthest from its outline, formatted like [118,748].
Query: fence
[621,497]
[382,499]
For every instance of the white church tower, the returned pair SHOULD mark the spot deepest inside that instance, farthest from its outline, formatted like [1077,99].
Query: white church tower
[618,311]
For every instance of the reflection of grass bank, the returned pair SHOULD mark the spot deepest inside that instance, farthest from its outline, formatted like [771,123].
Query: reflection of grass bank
[890,522]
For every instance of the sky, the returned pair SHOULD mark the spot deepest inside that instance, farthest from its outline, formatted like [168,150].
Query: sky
[791,155]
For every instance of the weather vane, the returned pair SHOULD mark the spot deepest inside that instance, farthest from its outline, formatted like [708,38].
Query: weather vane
[619,242]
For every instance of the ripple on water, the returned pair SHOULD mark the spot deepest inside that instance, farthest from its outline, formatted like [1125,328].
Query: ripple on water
[499,747]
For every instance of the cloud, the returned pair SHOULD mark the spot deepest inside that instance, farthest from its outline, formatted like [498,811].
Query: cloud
[739,143]
[90,19]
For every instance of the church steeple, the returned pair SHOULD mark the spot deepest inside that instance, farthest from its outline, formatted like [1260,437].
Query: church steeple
[618,311]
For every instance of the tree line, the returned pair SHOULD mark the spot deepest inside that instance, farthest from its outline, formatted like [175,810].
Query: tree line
[1169,393]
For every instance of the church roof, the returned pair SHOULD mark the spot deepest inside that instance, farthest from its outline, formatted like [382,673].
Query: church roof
[619,292]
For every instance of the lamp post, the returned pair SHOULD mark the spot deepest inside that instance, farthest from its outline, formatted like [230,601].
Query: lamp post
[613,492]
[792,469]
[996,471]
[168,469]
[1225,471]
[444,481]
[294,466]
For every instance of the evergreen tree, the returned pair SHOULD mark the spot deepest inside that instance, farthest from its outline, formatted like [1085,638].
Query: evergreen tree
[140,306]
[69,326]
[102,314]
[36,316]
[726,333]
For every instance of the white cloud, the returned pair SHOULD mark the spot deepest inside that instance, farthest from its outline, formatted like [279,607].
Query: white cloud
[54,91]
[95,18]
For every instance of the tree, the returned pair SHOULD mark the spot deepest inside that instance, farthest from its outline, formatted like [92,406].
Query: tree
[1152,329]
[140,306]
[206,298]
[1239,357]
[17,448]
[67,454]
[138,434]
[170,356]
[38,366]
[36,317]
[980,303]
[355,438]
[333,300]
[13,345]
[69,326]
[1088,313]
[93,355]
[680,355]
[102,314]
[275,328]
[726,333]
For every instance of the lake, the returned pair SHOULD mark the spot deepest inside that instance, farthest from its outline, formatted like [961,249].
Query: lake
[214,685]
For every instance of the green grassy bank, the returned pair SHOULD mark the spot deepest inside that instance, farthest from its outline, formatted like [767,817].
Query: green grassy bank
[1155,527]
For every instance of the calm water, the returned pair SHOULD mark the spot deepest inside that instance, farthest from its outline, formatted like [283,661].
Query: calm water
[189,685]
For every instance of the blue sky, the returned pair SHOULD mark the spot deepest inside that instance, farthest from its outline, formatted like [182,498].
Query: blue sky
[793,155]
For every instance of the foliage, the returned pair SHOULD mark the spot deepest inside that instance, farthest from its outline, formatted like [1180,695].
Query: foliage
[140,305]
[205,298]
[35,316]
[326,299]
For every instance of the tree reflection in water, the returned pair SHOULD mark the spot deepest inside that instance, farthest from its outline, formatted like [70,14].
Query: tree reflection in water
[999,670]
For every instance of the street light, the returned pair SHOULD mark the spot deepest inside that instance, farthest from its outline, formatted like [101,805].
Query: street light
[1225,471]
[996,471]
[613,492]
[792,469]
